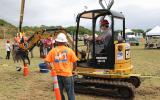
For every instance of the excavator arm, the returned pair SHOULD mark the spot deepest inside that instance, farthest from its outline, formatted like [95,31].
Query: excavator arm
[20,52]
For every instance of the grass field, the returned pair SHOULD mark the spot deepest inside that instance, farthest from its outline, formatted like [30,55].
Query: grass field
[38,86]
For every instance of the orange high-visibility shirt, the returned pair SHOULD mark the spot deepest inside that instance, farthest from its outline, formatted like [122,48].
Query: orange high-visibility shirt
[62,58]
[17,39]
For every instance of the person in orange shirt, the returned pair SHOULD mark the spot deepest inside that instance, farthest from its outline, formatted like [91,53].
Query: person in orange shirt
[64,61]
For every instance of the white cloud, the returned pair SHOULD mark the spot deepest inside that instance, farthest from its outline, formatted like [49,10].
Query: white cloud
[139,13]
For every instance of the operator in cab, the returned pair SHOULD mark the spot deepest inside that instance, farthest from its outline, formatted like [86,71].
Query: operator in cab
[102,40]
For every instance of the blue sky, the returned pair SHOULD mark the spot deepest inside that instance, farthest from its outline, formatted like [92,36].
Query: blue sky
[141,14]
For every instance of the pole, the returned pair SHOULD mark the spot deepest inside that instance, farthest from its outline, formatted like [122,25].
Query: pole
[21,15]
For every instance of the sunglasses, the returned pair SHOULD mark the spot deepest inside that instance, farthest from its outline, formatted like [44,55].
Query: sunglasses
[104,26]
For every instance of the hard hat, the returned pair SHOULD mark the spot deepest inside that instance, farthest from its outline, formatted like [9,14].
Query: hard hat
[104,22]
[96,35]
[8,41]
[61,37]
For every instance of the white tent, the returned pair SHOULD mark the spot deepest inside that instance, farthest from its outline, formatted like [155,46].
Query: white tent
[154,31]
[128,30]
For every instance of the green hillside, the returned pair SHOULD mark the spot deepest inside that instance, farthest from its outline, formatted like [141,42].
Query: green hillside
[7,30]
[4,23]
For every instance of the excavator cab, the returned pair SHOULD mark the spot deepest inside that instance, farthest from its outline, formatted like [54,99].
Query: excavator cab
[102,67]
[100,54]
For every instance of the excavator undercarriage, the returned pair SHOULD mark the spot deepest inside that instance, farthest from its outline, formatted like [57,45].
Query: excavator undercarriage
[105,84]
[104,87]
[108,72]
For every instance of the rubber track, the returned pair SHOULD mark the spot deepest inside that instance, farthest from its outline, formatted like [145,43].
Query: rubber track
[86,86]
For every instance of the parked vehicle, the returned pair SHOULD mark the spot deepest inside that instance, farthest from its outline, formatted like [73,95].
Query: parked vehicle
[133,41]
[152,42]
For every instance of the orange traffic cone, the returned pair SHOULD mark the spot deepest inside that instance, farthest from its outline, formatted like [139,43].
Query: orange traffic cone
[25,70]
[56,86]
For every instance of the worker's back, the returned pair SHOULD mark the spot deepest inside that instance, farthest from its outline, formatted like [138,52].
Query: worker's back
[63,58]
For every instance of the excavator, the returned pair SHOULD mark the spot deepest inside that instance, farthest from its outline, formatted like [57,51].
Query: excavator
[109,68]
[20,51]
[97,72]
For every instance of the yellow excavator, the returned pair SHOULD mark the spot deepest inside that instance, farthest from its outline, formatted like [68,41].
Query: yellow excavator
[97,72]
[105,67]
[20,52]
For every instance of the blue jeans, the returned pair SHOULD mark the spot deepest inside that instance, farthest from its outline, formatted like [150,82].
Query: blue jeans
[68,84]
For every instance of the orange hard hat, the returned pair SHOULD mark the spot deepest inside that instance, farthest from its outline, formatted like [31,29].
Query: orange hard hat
[104,22]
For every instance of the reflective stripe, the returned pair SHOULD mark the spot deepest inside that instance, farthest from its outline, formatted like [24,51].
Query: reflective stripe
[55,82]
[56,86]
[55,78]
[43,69]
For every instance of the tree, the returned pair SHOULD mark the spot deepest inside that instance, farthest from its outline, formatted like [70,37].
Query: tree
[138,30]
[82,30]
[148,30]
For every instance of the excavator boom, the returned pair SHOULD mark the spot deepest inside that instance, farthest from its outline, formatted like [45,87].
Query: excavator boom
[21,52]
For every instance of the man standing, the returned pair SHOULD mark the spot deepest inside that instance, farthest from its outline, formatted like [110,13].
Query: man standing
[64,62]
[8,49]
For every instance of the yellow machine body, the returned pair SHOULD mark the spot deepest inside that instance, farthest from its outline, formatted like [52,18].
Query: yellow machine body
[122,66]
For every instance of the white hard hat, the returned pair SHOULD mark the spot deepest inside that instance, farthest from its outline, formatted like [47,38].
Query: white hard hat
[61,37]
[96,35]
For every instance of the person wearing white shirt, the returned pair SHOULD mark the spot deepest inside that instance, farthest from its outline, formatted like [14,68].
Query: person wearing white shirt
[8,49]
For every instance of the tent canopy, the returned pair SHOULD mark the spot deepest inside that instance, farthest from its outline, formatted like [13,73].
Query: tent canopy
[128,30]
[154,31]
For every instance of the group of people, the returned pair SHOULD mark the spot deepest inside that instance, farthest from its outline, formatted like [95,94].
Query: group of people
[64,59]
[18,40]
[45,46]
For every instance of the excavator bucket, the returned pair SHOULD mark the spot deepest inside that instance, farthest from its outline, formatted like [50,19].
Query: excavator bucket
[20,55]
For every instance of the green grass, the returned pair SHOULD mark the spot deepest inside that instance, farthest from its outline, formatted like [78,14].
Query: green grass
[38,86]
